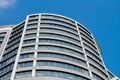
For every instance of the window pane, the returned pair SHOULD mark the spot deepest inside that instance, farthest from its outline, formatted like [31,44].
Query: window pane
[25,64]
[27,55]
[23,74]
[29,41]
[62,65]
[28,48]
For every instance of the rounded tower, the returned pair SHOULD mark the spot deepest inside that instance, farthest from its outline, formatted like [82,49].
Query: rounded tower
[54,47]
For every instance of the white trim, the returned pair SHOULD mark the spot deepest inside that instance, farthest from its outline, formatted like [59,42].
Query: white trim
[18,53]
[6,38]
[84,51]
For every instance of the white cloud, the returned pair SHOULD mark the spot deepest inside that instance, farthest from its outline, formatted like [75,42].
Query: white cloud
[7,3]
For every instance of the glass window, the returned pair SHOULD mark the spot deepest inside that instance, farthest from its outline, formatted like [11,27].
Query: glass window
[89,43]
[62,65]
[30,35]
[85,32]
[83,28]
[23,74]
[10,48]
[31,30]
[60,31]
[25,64]
[17,30]
[60,49]
[14,41]
[53,25]
[62,56]
[96,63]
[33,16]
[87,38]
[26,55]
[58,17]
[61,36]
[59,74]
[0,44]
[12,38]
[92,49]
[60,42]
[93,56]
[6,77]
[96,77]
[8,61]
[98,71]
[8,55]
[18,27]
[1,38]
[29,41]
[2,33]
[6,69]
[28,48]
[58,22]
[33,24]
[33,20]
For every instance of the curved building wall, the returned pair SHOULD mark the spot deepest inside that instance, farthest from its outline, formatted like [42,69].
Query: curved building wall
[54,47]
[10,45]
[4,36]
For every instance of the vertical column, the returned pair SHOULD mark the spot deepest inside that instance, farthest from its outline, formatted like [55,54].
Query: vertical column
[19,50]
[6,38]
[36,47]
[84,50]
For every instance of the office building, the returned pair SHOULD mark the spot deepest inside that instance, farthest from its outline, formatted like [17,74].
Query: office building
[50,47]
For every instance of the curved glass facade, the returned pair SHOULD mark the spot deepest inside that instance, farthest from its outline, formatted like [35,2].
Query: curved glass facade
[54,47]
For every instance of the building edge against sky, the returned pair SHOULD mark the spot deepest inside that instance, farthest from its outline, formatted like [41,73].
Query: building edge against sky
[50,47]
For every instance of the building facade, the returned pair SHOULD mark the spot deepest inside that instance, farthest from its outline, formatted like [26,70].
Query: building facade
[50,47]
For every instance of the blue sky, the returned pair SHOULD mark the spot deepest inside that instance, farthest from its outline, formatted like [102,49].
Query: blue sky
[101,17]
